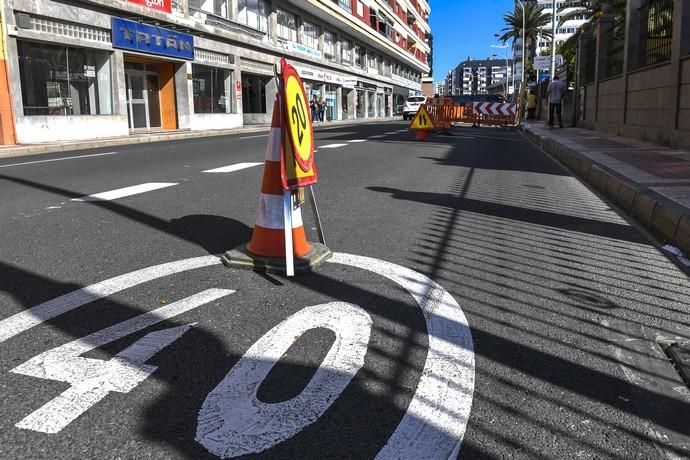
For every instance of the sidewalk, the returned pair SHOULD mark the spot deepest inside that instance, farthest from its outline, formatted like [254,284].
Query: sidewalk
[32,149]
[649,182]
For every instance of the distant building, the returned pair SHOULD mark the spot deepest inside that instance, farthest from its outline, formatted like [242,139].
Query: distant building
[474,76]
[440,88]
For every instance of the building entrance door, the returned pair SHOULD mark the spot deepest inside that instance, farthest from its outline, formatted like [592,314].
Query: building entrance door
[143,96]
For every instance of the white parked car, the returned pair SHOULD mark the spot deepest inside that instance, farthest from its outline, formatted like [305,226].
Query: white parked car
[412,105]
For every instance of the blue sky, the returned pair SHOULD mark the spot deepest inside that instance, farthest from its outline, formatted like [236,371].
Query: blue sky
[464,28]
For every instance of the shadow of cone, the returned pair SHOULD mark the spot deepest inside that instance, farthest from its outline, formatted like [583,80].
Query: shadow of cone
[266,250]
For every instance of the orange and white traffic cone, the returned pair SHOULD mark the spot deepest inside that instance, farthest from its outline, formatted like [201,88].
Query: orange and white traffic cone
[266,250]
[268,238]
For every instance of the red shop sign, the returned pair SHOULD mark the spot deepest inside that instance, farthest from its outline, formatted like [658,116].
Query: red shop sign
[161,5]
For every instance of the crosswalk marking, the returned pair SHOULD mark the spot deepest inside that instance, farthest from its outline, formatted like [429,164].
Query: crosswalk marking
[332,146]
[124,192]
[356,141]
[232,168]
[377,136]
[390,133]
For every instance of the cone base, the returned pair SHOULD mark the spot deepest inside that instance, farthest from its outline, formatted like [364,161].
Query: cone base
[241,258]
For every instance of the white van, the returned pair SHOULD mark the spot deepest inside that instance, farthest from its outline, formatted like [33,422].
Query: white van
[412,105]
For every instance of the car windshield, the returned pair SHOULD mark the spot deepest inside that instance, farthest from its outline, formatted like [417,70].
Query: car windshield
[415,99]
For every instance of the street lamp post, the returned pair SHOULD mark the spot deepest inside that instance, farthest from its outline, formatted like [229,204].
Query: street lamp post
[553,40]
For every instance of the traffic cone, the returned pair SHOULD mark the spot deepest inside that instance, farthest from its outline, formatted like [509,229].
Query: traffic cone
[266,250]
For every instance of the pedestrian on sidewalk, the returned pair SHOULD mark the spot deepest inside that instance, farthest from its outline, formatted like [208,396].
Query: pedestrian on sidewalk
[314,107]
[555,93]
[322,109]
[531,105]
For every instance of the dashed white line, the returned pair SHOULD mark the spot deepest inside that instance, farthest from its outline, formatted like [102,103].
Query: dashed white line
[232,168]
[332,146]
[356,141]
[402,130]
[390,133]
[377,136]
[124,192]
[254,137]
[58,159]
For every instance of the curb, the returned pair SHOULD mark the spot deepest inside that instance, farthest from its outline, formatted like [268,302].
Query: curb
[664,218]
[35,149]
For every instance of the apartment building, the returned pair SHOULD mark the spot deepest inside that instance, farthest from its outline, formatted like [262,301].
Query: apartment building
[82,69]
[474,76]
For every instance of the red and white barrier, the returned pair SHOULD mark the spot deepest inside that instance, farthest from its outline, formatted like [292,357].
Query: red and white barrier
[494,109]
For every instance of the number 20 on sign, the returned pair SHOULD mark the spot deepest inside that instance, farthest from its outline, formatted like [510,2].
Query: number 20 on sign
[297,156]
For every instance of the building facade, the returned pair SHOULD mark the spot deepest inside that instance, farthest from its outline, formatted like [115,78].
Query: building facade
[475,76]
[85,69]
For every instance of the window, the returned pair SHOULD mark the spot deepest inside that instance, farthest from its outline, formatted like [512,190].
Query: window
[311,35]
[344,4]
[346,51]
[57,80]
[287,26]
[217,7]
[329,45]
[371,60]
[254,13]
[360,56]
[211,89]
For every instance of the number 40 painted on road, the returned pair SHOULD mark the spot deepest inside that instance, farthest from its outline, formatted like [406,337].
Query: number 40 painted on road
[232,421]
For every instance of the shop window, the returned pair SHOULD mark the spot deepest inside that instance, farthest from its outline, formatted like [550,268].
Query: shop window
[57,80]
[254,93]
[211,90]
[254,13]
[287,26]
[311,35]
[329,45]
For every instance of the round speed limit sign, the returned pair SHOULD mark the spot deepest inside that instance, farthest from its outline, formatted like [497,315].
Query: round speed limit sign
[300,130]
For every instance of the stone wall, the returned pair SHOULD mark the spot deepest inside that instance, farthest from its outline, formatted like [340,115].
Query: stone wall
[651,96]
[684,112]
[611,100]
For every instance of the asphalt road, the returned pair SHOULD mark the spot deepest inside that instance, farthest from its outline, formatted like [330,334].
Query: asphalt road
[543,318]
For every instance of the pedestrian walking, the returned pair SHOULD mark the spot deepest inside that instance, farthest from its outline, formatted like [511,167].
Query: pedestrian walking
[531,105]
[322,109]
[314,107]
[555,93]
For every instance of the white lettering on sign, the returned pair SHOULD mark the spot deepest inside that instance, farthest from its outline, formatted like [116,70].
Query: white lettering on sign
[233,422]
[92,379]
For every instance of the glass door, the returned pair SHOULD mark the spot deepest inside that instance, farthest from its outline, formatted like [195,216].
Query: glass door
[143,98]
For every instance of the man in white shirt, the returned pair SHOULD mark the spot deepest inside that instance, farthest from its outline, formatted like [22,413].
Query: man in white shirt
[555,92]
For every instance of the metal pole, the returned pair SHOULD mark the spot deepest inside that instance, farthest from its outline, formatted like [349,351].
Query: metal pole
[553,41]
[524,47]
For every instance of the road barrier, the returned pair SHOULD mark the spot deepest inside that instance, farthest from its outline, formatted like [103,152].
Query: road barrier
[439,114]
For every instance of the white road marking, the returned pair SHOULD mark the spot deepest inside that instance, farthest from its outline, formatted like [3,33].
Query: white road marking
[25,320]
[377,136]
[232,168]
[332,146]
[254,137]
[435,422]
[390,133]
[356,141]
[58,159]
[233,422]
[124,192]
[92,379]
[403,130]
[436,419]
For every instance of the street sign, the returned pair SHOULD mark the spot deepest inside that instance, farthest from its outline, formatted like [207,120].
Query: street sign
[422,120]
[297,154]
[542,62]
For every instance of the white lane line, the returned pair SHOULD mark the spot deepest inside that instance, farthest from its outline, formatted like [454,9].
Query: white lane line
[254,137]
[403,130]
[26,319]
[127,191]
[232,168]
[378,136]
[58,159]
[332,146]
[390,133]
[356,141]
